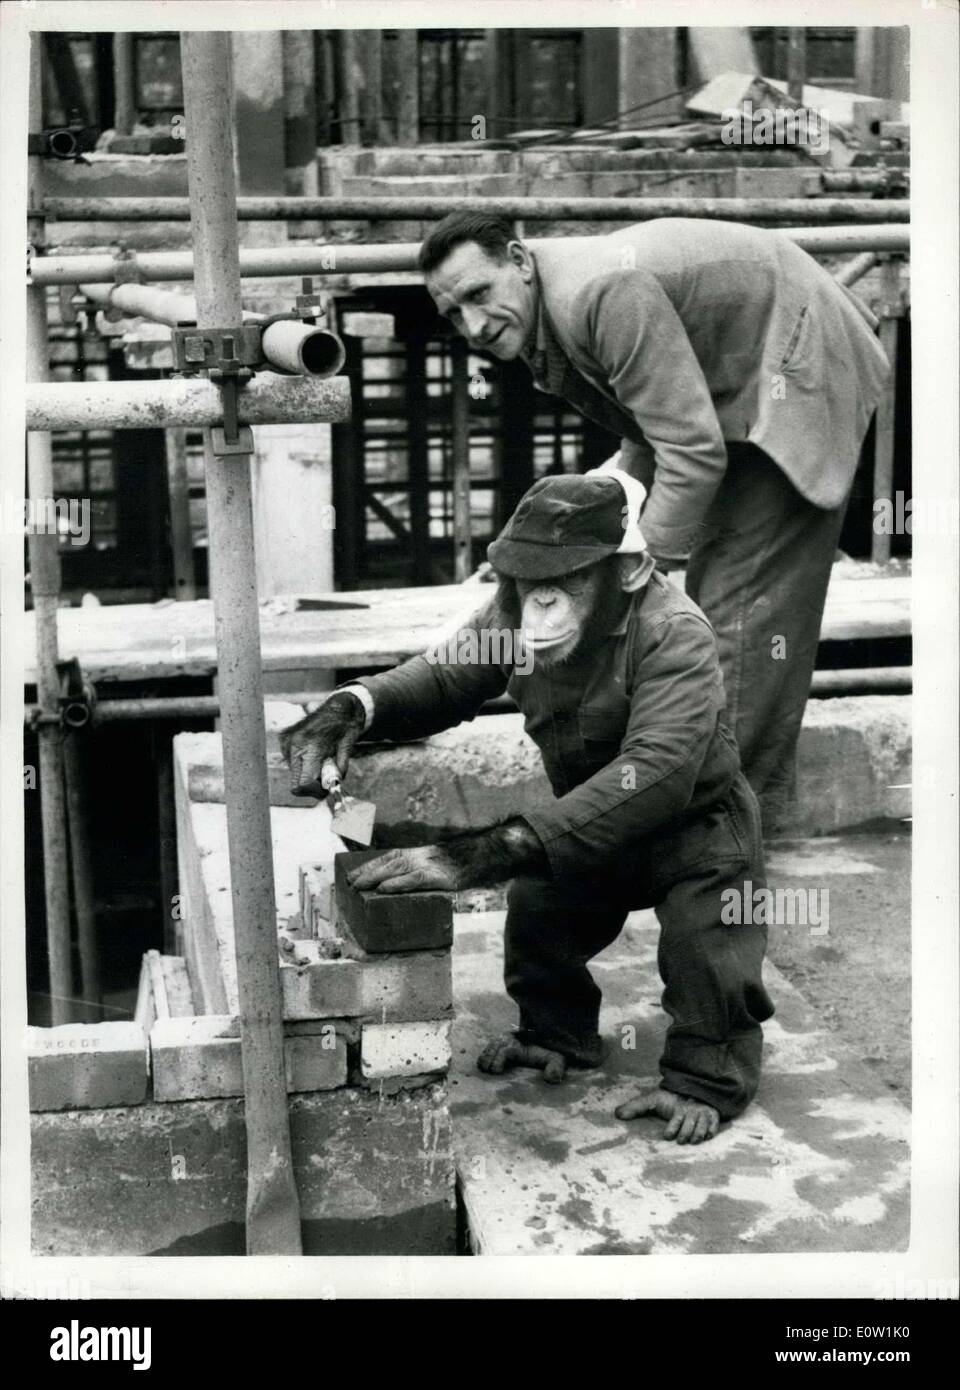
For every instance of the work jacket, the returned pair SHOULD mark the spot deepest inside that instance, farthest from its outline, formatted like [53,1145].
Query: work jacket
[631,739]
[679,334]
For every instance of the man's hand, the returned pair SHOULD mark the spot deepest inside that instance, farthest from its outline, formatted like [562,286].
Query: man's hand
[330,732]
[424,869]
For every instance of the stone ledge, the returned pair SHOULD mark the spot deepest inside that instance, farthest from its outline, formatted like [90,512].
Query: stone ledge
[374,1175]
[853,770]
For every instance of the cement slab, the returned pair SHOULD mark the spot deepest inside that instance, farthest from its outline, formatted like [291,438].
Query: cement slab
[853,770]
[373,1171]
[819,1162]
[367,627]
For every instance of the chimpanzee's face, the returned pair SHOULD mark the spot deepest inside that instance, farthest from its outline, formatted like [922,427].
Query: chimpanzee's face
[491,303]
[566,617]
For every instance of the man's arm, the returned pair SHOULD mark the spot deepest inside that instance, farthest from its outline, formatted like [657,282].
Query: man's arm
[635,336]
[677,698]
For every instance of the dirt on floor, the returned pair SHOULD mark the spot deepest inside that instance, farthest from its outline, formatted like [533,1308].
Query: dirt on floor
[852,965]
[856,974]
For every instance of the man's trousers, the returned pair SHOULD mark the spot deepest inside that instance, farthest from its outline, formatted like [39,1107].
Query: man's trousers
[760,574]
[711,970]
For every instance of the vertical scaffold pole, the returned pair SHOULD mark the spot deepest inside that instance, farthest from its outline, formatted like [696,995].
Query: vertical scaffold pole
[460,439]
[273,1211]
[890,308]
[45,585]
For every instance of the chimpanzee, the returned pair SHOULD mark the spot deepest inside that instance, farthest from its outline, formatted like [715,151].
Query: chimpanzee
[624,698]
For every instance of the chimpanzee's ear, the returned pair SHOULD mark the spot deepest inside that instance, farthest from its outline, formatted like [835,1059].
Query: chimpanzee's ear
[635,571]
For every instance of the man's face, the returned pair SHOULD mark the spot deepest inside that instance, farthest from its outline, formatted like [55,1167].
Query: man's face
[490,303]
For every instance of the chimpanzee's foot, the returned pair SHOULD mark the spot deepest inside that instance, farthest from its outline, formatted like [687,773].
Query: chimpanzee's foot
[689,1121]
[506,1052]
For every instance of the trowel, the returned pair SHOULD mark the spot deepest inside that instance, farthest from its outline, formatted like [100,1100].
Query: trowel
[351,818]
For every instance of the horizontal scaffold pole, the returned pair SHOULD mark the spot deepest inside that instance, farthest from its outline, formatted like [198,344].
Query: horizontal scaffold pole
[288,344]
[267,399]
[353,258]
[811,210]
[865,680]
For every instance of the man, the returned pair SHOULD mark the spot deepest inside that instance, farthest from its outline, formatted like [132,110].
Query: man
[741,379]
[624,699]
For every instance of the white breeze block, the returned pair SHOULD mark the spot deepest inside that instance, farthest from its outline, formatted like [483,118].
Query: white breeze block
[87,1066]
[404,1049]
[199,1059]
[196,1058]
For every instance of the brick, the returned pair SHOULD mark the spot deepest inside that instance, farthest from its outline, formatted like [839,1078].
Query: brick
[312,1064]
[391,922]
[404,988]
[196,1058]
[404,1049]
[83,1066]
[200,1059]
[322,989]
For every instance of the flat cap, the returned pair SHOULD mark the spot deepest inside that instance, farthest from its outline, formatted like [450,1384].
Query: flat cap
[563,524]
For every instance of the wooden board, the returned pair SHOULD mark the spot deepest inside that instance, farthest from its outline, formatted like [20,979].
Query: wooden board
[372,627]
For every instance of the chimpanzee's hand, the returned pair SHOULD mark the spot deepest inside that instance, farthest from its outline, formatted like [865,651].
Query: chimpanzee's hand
[329,732]
[420,870]
[689,1121]
[468,861]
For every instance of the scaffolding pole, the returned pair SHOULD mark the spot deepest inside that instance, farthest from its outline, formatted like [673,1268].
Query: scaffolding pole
[288,344]
[460,448]
[187,708]
[194,402]
[371,94]
[273,1209]
[81,871]
[353,258]
[811,210]
[45,585]
[181,531]
[890,309]
[796,64]
[408,83]
[857,268]
[124,111]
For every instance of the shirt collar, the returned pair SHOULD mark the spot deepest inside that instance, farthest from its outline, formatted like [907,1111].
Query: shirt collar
[535,353]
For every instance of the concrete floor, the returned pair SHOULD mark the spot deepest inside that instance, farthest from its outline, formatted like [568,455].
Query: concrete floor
[819,1161]
[857,976]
